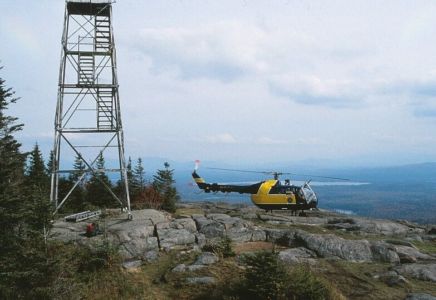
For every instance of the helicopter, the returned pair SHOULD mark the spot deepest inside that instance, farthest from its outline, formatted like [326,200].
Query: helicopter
[270,194]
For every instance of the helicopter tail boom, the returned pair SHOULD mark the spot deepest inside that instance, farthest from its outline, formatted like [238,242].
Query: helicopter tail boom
[225,188]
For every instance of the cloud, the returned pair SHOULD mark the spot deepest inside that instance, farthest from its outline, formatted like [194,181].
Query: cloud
[310,141]
[270,141]
[412,87]
[425,113]
[313,90]
[419,94]
[222,138]
[224,51]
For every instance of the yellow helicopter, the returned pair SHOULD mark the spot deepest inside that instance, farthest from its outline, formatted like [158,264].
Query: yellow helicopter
[269,194]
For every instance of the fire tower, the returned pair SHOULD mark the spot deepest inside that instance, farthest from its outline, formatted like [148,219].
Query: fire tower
[88,116]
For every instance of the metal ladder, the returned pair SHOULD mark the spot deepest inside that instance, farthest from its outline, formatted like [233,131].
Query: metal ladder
[102,34]
[86,68]
[105,113]
[82,216]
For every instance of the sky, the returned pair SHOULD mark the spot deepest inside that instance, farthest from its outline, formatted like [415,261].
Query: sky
[333,83]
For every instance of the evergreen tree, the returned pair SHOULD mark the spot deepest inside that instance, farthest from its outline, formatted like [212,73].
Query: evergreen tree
[37,192]
[36,173]
[79,168]
[138,179]
[119,188]
[97,194]
[266,276]
[77,198]
[163,183]
[129,171]
[50,163]
[130,179]
[49,167]
[11,182]
[25,270]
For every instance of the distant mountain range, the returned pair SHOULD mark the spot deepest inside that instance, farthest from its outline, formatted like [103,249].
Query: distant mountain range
[396,192]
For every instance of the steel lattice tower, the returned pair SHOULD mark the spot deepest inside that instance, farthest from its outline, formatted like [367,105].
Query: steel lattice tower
[88,116]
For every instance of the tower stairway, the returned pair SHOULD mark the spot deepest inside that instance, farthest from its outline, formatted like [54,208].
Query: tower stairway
[102,33]
[86,69]
[105,109]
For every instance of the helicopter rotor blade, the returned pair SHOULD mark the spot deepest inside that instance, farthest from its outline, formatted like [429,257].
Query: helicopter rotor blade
[279,173]
[315,176]
[236,170]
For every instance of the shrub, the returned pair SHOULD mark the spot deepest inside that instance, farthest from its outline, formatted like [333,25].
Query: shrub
[149,197]
[94,259]
[221,248]
[305,285]
[265,277]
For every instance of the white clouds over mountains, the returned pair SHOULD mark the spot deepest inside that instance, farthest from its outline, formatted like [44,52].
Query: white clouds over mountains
[291,80]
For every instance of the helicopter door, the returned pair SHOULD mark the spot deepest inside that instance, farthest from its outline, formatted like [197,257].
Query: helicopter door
[309,194]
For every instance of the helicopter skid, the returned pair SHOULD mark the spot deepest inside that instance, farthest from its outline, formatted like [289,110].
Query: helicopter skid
[285,206]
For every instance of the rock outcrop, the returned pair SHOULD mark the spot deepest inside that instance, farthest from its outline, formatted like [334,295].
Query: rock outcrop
[297,255]
[331,246]
[425,272]
[176,233]
[300,239]
[219,225]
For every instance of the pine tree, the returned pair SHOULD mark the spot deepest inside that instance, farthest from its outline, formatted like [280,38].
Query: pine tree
[97,194]
[26,272]
[11,162]
[130,178]
[36,173]
[37,193]
[129,171]
[119,188]
[50,163]
[77,198]
[266,276]
[138,178]
[79,168]
[11,182]
[163,183]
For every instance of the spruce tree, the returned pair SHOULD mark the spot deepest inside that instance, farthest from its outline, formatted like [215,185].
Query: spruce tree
[77,198]
[130,178]
[37,192]
[50,163]
[79,168]
[163,183]
[25,269]
[129,171]
[36,173]
[11,163]
[11,182]
[119,188]
[138,178]
[97,194]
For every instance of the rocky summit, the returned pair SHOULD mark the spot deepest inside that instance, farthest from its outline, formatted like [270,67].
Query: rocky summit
[374,255]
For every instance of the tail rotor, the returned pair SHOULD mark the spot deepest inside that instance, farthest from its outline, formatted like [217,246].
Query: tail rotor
[197,164]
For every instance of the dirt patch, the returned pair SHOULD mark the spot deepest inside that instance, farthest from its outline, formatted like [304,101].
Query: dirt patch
[254,246]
